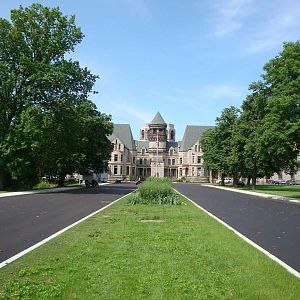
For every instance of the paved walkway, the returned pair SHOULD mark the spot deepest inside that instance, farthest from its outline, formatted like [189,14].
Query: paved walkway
[272,224]
[28,219]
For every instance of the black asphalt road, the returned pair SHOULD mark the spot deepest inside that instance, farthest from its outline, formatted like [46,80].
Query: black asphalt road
[272,224]
[26,220]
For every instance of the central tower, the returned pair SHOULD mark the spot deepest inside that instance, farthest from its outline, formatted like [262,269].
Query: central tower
[157,137]
[157,134]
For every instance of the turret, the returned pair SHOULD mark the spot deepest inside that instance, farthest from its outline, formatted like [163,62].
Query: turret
[157,134]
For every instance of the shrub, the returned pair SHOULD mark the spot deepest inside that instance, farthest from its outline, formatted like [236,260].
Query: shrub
[155,190]
[44,185]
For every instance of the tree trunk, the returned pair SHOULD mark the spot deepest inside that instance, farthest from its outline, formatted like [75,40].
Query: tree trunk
[235,180]
[248,180]
[222,179]
[5,179]
[253,182]
[61,179]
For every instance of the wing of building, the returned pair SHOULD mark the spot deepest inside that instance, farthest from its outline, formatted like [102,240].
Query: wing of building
[157,153]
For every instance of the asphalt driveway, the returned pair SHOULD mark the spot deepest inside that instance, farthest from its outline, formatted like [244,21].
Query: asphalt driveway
[26,220]
[272,224]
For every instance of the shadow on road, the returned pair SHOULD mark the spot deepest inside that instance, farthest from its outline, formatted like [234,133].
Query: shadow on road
[117,189]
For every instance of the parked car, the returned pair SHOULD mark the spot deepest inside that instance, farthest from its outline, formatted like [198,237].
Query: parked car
[226,181]
[291,182]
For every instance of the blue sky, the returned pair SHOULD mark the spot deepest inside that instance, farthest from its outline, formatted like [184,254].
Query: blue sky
[187,59]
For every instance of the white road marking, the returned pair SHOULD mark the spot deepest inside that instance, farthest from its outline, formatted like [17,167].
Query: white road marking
[273,257]
[20,254]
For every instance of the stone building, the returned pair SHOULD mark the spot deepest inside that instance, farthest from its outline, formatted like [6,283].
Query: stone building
[157,153]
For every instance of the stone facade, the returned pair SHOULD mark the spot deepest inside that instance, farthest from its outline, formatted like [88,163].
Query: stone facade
[157,153]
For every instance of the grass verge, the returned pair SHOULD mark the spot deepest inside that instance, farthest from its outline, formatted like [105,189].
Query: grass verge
[121,254]
[292,191]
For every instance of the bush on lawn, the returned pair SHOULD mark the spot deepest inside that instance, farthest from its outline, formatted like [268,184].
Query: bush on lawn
[155,191]
[44,185]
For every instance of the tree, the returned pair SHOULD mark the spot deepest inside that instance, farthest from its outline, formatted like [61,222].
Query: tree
[218,147]
[57,142]
[270,120]
[282,124]
[39,83]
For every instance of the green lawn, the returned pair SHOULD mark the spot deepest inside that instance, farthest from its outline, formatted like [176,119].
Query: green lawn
[40,187]
[114,255]
[279,190]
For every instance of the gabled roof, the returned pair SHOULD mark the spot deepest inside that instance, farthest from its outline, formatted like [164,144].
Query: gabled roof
[192,134]
[158,119]
[141,144]
[174,145]
[124,134]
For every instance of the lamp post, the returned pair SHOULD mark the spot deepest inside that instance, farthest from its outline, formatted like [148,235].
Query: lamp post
[157,153]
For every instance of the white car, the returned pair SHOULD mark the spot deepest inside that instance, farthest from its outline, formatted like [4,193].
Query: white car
[226,181]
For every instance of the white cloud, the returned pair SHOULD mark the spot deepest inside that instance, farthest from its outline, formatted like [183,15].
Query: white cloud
[208,94]
[222,91]
[284,25]
[229,15]
[138,8]
[136,112]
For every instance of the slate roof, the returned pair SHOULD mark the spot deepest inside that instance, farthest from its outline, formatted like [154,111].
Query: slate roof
[172,144]
[191,135]
[141,144]
[158,119]
[124,134]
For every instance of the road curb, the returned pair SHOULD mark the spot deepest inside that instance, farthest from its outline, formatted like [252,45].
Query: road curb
[54,190]
[267,196]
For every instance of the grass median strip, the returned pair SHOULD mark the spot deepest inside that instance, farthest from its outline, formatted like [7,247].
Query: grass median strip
[115,255]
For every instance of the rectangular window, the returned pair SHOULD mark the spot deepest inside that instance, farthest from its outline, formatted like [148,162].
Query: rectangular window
[116,157]
[115,170]
[121,157]
[193,159]
[195,148]
[199,159]
[143,151]
[169,162]
[133,160]
[173,161]
[181,160]
[119,146]
[199,172]
[141,161]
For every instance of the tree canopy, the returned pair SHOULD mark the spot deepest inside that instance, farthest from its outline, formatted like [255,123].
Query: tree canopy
[265,137]
[46,122]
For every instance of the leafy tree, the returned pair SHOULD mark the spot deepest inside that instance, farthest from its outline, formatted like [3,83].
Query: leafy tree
[218,146]
[282,124]
[39,85]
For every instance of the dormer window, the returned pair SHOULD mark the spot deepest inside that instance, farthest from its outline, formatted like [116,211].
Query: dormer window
[143,134]
[143,151]
[171,152]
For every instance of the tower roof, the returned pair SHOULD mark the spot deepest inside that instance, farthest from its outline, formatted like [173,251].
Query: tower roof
[158,119]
